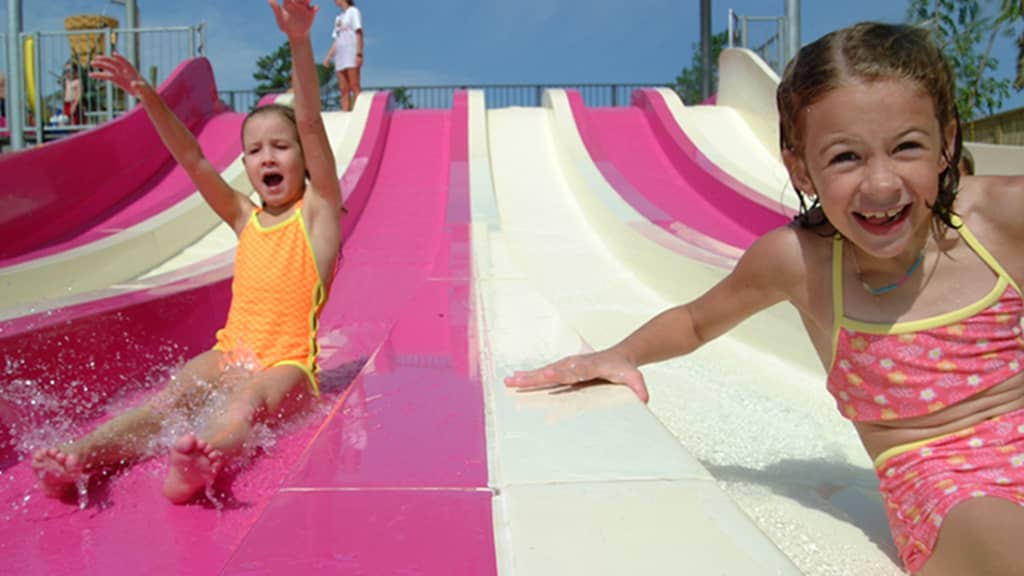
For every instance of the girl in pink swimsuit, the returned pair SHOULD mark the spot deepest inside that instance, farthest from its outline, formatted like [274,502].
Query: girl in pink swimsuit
[908,281]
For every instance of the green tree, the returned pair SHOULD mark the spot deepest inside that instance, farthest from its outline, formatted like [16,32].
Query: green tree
[689,81]
[274,71]
[402,98]
[966,36]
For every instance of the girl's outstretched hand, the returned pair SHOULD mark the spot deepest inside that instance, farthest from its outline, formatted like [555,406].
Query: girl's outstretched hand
[119,70]
[294,17]
[606,366]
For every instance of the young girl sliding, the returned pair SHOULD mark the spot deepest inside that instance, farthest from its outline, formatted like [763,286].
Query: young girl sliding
[287,251]
[908,284]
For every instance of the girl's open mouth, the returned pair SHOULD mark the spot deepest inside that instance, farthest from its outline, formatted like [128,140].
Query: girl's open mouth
[272,180]
[882,222]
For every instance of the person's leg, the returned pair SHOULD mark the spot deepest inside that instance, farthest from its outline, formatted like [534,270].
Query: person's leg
[979,536]
[271,396]
[354,83]
[126,437]
[344,88]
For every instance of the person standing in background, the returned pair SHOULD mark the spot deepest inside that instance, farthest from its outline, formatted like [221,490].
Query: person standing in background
[73,93]
[347,51]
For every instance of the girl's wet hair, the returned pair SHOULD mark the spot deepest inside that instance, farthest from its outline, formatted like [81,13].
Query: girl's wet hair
[870,51]
[285,111]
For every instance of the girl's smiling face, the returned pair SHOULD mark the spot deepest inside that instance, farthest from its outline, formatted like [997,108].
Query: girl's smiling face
[273,159]
[873,151]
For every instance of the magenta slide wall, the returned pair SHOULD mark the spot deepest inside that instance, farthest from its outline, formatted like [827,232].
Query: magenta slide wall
[646,157]
[392,481]
[79,189]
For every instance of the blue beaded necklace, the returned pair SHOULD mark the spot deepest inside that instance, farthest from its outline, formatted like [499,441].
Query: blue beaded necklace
[890,287]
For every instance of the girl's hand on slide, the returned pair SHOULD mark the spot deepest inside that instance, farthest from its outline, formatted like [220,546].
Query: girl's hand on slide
[605,366]
[118,70]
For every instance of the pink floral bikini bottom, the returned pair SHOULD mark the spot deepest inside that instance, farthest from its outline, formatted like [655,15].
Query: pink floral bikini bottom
[921,482]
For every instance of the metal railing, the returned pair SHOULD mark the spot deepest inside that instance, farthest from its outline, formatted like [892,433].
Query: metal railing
[159,51]
[434,97]
[769,41]
[239,100]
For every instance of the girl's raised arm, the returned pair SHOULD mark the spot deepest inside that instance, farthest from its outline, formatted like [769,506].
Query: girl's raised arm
[295,18]
[232,206]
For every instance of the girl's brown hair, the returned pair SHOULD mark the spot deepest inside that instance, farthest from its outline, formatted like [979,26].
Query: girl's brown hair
[285,111]
[870,51]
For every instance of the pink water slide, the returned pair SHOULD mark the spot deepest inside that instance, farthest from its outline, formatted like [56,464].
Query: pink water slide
[389,478]
[648,159]
[89,186]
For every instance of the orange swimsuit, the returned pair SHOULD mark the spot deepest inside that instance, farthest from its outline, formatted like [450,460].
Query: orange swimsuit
[276,297]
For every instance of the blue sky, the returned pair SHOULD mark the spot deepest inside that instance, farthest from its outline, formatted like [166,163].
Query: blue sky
[486,41]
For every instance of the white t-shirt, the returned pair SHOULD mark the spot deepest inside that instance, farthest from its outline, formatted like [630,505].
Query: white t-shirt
[344,34]
[345,26]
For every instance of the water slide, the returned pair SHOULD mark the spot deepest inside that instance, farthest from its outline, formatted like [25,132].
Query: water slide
[70,367]
[105,205]
[478,242]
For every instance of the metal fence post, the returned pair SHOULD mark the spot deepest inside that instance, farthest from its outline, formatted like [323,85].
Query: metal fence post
[780,33]
[110,87]
[732,27]
[15,76]
[38,101]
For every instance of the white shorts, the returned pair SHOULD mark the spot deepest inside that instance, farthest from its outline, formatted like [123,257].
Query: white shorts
[344,56]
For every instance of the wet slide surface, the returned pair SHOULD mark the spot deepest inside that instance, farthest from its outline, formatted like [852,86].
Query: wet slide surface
[391,476]
[760,423]
[391,256]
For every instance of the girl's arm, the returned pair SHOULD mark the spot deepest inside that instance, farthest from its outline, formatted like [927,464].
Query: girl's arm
[232,206]
[359,47]
[330,53]
[295,19]
[766,274]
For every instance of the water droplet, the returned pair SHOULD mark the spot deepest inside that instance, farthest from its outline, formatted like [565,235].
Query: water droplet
[82,484]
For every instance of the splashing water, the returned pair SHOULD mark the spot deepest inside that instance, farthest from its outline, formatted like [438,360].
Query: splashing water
[53,411]
[82,487]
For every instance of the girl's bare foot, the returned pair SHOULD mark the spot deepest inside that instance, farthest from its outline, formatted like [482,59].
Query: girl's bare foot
[194,464]
[58,472]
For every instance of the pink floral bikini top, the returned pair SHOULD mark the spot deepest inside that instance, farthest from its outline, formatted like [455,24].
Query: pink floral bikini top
[907,369]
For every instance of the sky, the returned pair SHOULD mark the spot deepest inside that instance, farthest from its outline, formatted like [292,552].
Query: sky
[465,42]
